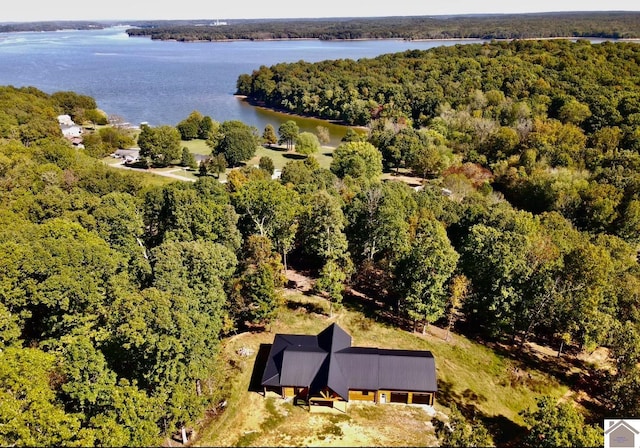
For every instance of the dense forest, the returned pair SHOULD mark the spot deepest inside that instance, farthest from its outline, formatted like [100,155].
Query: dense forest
[508,26]
[115,294]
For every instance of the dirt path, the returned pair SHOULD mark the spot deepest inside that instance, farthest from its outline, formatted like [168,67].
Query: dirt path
[152,171]
[298,282]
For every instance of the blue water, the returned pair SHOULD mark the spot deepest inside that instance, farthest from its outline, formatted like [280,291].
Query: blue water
[162,82]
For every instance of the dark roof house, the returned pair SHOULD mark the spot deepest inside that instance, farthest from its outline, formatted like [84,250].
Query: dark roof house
[326,368]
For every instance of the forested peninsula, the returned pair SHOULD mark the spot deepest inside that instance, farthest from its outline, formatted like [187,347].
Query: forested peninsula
[117,293]
[611,25]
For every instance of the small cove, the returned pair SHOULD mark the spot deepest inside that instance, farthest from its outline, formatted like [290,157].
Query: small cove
[161,82]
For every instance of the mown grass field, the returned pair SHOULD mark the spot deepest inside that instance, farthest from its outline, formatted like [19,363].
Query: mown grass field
[479,380]
[279,155]
[196,147]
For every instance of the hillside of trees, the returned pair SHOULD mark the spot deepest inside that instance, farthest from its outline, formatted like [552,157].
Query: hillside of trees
[114,295]
[507,26]
[16,27]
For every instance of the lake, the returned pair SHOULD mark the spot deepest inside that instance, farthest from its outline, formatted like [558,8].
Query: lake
[161,82]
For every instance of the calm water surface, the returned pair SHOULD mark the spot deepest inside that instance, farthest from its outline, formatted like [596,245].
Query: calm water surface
[162,82]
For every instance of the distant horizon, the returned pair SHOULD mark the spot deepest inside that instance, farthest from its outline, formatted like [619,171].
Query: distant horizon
[222,19]
[27,11]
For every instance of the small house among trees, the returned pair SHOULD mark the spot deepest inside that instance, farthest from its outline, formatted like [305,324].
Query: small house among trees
[325,370]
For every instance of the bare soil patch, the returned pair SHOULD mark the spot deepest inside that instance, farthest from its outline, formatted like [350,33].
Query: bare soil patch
[298,281]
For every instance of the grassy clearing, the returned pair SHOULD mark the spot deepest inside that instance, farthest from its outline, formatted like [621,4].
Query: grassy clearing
[469,373]
[281,157]
[474,377]
[148,178]
[196,146]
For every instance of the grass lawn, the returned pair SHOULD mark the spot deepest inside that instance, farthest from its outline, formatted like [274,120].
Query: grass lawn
[155,176]
[279,155]
[196,147]
[476,378]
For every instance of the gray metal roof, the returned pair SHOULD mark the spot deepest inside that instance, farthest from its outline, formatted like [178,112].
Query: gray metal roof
[328,360]
[406,372]
[333,338]
[300,366]
[360,366]
[273,369]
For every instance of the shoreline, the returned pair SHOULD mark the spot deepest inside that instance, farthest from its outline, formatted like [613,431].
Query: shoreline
[399,39]
[259,105]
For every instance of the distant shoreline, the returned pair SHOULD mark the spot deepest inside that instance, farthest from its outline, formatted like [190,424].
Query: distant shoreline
[364,39]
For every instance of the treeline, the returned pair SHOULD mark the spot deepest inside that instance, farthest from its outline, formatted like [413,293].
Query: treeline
[509,26]
[555,122]
[16,27]
[413,84]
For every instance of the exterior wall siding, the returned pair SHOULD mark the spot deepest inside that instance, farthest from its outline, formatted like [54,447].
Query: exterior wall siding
[411,397]
[362,395]
[380,396]
[383,396]
[287,392]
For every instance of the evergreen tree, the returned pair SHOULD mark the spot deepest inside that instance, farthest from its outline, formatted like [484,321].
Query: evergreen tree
[269,135]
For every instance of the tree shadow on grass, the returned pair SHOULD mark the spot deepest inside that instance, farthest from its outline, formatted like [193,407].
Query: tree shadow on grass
[309,308]
[255,384]
[504,431]
[374,310]
[275,148]
[294,156]
[568,370]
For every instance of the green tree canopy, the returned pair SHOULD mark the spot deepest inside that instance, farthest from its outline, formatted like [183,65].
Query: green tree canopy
[269,136]
[256,294]
[266,164]
[160,144]
[357,159]
[270,209]
[30,413]
[422,274]
[307,143]
[288,133]
[559,425]
[189,128]
[236,141]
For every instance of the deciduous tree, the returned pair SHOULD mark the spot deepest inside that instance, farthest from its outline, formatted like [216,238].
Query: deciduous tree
[266,164]
[559,424]
[269,209]
[187,159]
[307,143]
[422,274]
[236,141]
[160,144]
[288,133]
[357,159]
[269,136]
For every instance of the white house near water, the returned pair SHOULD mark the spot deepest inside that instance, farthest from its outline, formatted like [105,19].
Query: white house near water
[69,129]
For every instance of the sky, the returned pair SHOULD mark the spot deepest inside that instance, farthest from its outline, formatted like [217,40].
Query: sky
[43,10]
